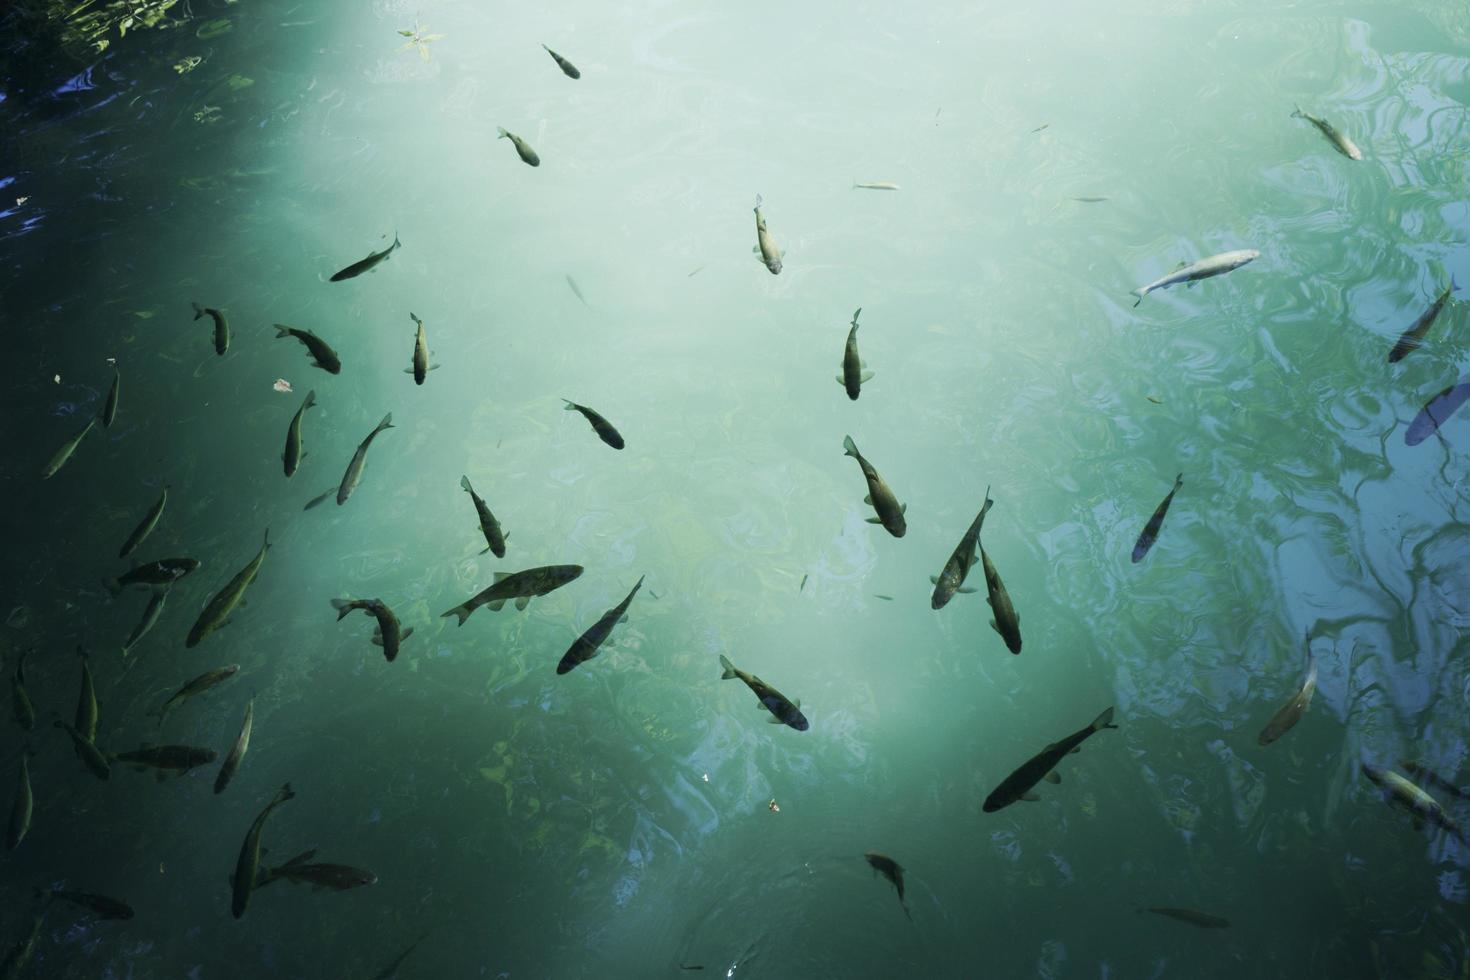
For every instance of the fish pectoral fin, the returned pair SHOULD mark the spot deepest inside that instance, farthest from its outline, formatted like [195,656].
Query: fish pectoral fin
[495,605]
[875,520]
[499,575]
[994,627]
[903,508]
[408,370]
[1030,797]
[522,602]
[1075,751]
[1052,777]
[865,377]
[840,381]
[967,590]
[868,500]
[624,619]
[773,720]
[406,634]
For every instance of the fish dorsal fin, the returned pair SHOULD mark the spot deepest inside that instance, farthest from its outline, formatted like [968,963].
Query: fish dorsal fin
[1052,777]
[500,575]
[1030,797]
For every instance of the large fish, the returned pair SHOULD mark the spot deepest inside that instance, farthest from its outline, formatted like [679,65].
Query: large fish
[489,526]
[1339,142]
[353,476]
[585,647]
[204,682]
[291,457]
[1439,408]
[1291,712]
[1017,786]
[389,633]
[1215,265]
[321,352]
[1398,791]
[1005,621]
[150,616]
[951,578]
[163,572]
[337,877]
[770,254]
[109,408]
[1413,336]
[237,751]
[217,613]
[523,149]
[600,425]
[221,327]
[177,759]
[880,498]
[1151,529]
[247,865]
[366,264]
[65,452]
[853,376]
[568,69]
[893,871]
[20,698]
[783,710]
[521,586]
[146,526]
[90,755]
[1424,774]
[20,810]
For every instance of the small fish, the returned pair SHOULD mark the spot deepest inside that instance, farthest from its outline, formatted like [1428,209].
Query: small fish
[320,498]
[568,69]
[178,759]
[1150,532]
[1339,142]
[853,377]
[875,185]
[247,865]
[890,512]
[321,352]
[237,751]
[1291,712]
[420,362]
[489,526]
[164,571]
[99,905]
[22,952]
[366,264]
[1090,200]
[1398,791]
[391,970]
[1006,622]
[146,526]
[1426,775]
[221,327]
[65,452]
[1437,411]
[893,871]
[389,633]
[1156,401]
[353,475]
[20,698]
[109,408]
[1201,919]
[204,682]
[523,149]
[695,273]
[573,283]
[1413,336]
[951,578]
[282,385]
[600,425]
[585,647]
[885,598]
[521,586]
[21,809]
[291,455]
[150,616]
[90,755]
[1017,786]
[337,877]
[1215,265]
[217,613]
[87,713]
[1040,128]
[770,254]
[783,711]
[802,587]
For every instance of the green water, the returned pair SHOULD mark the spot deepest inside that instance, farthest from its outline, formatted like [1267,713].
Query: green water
[614,822]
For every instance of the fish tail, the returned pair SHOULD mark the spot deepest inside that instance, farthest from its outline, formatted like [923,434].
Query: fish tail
[1453,285]
[462,612]
[1104,720]
[1178,481]
[1140,293]
[265,541]
[281,330]
[198,311]
[503,132]
[285,793]
[729,673]
[1296,113]
[343,607]
[396,242]
[849,447]
[464,483]
[387,423]
[757,202]
[310,400]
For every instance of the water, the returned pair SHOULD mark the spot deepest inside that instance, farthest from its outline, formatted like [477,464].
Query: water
[545,826]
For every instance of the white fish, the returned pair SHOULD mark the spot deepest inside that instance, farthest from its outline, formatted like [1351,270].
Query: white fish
[1215,265]
[876,185]
[1291,712]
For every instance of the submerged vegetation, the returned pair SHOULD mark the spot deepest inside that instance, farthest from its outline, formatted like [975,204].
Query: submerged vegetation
[88,27]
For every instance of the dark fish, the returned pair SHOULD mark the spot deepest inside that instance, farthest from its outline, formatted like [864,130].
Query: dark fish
[853,376]
[388,634]
[951,578]
[366,265]
[150,616]
[880,498]
[21,953]
[573,283]
[1437,411]
[521,586]
[489,526]
[1291,712]
[67,449]
[893,871]
[770,254]
[99,905]
[237,751]
[523,149]
[1090,200]
[568,69]
[391,970]
[1215,265]
[109,409]
[217,613]
[600,425]
[586,646]
[783,711]
[146,526]
[247,865]
[1339,142]
[320,498]
[87,714]
[420,363]
[337,877]
[90,755]
[1413,336]
[164,571]
[1006,622]
[1017,786]
[167,758]
[1424,774]
[291,456]
[20,810]
[221,327]
[204,682]
[1423,808]
[1201,919]
[1151,529]
[321,353]
[885,598]
[1040,128]
[802,586]
[353,476]
[20,698]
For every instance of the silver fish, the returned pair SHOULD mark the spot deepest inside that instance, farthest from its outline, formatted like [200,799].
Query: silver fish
[770,254]
[1291,712]
[1339,142]
[1215,265]
[64,453]
[353,476]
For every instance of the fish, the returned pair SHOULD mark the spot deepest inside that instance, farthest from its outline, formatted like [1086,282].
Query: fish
[1339,142]
[1150,532]
[388,634]
[99,905]
[1006,622]
[353,475]
[523,149]
[163,572]
[1424,774]
[890,512]
[1437,411]
[1201,919]
[217,613]
[237,751]
[1422,807]
[88,752]
[802,586]
[885,598]
[221,327]
[893,871]
[146,526]
[22,952]
[291,456]
[87,713]
[247,865]
[875,185]
[320,498]
[390,971]
[1156,401]
[109,408]
[1215,265]
[337,877]
[783,710]
[177,759]
[951,578]
[1040,128]
[21,809]
[853,376]
[20,698]
[420,363]
[489,526]
[322,355]
[1017,786]
[366,264]
[1413,336]
[65,452]
[204,682]
[585,647]
[568,69]
[521,586]
[770,253]
[1291,712]
[600,425]
[577,292]
[1089,200]
[150,616]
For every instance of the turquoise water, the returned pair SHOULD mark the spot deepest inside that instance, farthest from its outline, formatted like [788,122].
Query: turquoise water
[616,821]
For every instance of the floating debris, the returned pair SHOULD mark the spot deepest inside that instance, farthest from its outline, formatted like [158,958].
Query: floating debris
[282,385]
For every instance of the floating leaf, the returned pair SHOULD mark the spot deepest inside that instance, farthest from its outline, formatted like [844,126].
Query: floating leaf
[237,82]
[213,28]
